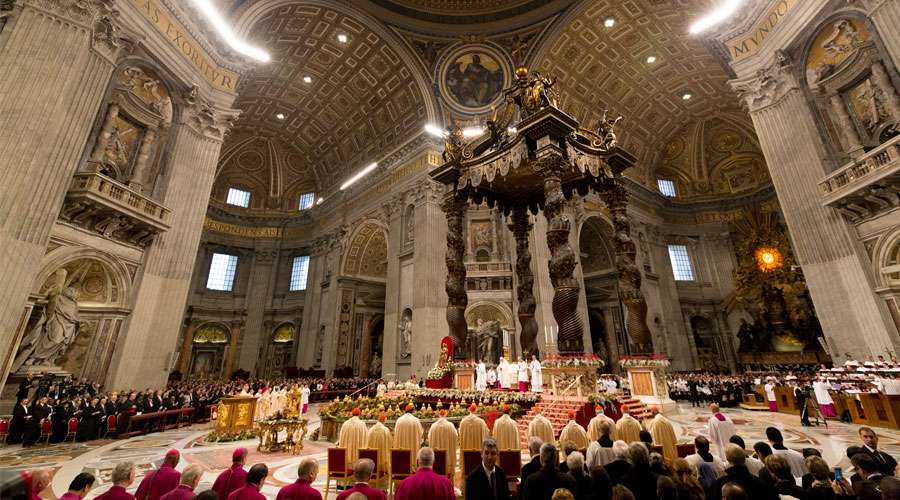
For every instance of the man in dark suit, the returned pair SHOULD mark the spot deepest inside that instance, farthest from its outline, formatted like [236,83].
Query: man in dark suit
[542,484]
[488,481]
[21,418]
[534,447]
[886,463]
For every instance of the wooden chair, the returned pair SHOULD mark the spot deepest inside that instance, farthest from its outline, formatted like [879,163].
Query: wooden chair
[471,461]
[111,422]
[46,430]
[655,448]
[71,429]
[337,468]
[440,463]
[4,430]
[374,455]
[401,468]
[685,449]
[511,463]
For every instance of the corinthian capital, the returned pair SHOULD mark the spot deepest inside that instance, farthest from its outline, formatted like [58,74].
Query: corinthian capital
[205,118]
[768,85]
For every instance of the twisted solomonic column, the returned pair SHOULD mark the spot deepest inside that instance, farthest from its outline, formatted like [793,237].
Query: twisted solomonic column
[562,261]
[520,226]
[454,206]
[616,198]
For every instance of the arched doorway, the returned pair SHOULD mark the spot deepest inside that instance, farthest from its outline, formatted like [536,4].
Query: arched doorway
[208,351]
[362,293]
[601,289]
[83,296]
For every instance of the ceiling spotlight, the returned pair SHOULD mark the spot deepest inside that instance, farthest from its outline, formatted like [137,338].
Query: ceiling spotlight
[218,21]
[434,130]
[609,22]
[511,130]
[307,79]
[359,175]
[651,59]
[687,96]
[718,15]
[280,116]
[342,38]
[470,132]
[320,200]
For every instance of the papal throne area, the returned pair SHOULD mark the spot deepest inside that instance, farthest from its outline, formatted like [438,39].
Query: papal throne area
[422,249]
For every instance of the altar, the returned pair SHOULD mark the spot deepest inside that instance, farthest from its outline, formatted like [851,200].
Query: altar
[281,434]
[235,414]
[647,379]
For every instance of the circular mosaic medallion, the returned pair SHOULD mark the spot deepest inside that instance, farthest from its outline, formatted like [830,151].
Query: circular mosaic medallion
[472,77]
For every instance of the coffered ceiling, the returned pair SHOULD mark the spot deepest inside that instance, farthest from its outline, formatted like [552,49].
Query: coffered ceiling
[346,104]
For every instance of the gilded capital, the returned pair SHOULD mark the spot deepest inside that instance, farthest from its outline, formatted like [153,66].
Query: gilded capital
[204,117]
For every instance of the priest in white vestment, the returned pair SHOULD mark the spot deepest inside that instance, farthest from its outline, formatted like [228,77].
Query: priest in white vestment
[352,436]
[537,379]
[472,430]
[541,427]
[721,428]
[628,429]
[574,434]
[379,438]
[442,435]
[593,429]
[491,378]
[523,375]
[502,375]
[826,404]
[506,432]
[408,433]
[480,376]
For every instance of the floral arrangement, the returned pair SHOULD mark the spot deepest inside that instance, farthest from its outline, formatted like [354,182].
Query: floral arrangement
[439,372]
[464,363]
[559,361]
[472,395]
[394,408]
[652,360]
[227,437]
[602,399]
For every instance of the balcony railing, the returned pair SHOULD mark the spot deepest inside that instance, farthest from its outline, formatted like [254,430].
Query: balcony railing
[867,185]
[103,205]
[488,268]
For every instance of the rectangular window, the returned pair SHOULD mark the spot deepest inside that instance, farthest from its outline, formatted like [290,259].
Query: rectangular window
[681,263]
[238,197]
[307,200]
[666,187]
[299,271]
[221,272]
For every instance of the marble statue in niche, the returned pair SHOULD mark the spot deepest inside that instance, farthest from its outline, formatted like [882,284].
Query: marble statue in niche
[489,341]
[405,330]
[57,328]
[320,344]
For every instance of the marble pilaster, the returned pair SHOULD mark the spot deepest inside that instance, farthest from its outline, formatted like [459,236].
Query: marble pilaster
[259,291]
[142,356]
[855,321]
[54,76]
[430,297]
[394,214]
[885,14]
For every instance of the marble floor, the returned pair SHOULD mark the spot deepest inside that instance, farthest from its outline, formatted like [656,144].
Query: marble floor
[99,457]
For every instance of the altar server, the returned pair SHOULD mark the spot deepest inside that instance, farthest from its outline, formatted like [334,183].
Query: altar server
[523,375]
[537,379]
[480,376]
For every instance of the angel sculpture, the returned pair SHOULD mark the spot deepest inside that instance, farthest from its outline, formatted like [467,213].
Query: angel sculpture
[453,142]
[606,132]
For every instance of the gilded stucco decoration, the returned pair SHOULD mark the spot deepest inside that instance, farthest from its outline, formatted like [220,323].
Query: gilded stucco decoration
[283,334]
[832,46]
[366,255]
[211,334]
[713,158]
[362,99]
